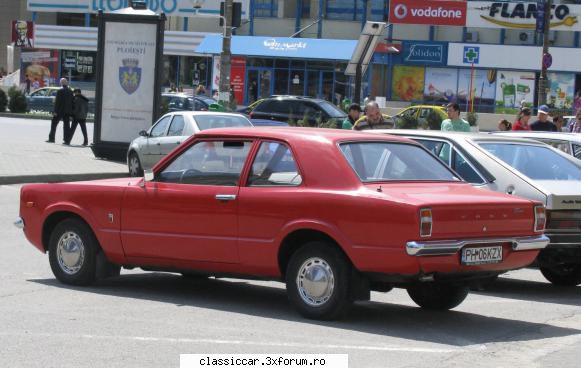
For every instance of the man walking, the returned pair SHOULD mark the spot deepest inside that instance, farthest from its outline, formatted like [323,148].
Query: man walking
[373,118]
[63,109]
[80,109]
[454,123]
[542,123]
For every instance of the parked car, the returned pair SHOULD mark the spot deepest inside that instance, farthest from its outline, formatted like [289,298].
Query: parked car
[42,99]
[170,131]
[332,213]
[570,143]
[247,109]
[526,168]
[295,109]
[421,113]
[182,102]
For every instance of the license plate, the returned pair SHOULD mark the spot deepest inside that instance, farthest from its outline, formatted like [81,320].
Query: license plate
[482,255]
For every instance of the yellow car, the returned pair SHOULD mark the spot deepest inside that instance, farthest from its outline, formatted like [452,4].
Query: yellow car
[421,112]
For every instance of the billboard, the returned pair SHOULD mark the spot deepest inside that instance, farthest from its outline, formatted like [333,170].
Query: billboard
[483,83]
[429,12]
[514,89]
[561,90]
[408,83]
[181,8]
[41,67]
[521,15]
[22,33]
[440,85]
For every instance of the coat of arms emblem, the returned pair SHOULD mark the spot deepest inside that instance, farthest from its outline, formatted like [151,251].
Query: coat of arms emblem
[130,75]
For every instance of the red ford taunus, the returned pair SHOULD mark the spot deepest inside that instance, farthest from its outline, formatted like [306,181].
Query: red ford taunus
[332,213]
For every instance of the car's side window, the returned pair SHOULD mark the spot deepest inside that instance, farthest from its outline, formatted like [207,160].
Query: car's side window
[160,127]
[40,93]
[208,163]
[177,126]
[424,113]
[438,148]
[52,92]
[462,167]
[274,165]
[577,151]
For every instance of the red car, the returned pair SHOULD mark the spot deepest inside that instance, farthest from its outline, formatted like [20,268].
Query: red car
[332,213]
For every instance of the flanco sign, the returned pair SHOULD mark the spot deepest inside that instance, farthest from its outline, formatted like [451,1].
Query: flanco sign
[433,12]
[182,8]
[520,15]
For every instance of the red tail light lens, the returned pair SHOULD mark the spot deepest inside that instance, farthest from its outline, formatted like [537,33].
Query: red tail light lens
[425,222]
[540,218]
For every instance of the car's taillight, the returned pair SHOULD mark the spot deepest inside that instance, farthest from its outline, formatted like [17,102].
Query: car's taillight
[425,222]
[540,218]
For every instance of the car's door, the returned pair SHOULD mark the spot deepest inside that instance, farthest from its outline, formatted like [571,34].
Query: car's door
[152,151]
[189,211]
[174,136]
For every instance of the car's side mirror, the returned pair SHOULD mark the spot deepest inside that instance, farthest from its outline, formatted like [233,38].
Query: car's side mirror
[143,133]
[147,176]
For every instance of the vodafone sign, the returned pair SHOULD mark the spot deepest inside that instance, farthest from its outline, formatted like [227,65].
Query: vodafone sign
[431,12]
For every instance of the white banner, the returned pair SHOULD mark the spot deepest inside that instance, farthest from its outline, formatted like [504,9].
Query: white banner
[521,15]
[128,80]
[182,8]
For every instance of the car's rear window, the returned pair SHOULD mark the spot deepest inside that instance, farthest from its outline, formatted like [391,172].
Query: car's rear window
[331,109]
[391,161]
[221,121]
[536,162]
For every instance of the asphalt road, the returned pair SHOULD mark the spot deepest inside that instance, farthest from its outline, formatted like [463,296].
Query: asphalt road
[148,319]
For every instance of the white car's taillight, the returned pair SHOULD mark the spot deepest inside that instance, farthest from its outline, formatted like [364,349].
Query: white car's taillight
[425,222]
[540,218]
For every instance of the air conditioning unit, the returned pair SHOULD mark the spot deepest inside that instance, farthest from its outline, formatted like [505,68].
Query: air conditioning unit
[526,37]
[471,36]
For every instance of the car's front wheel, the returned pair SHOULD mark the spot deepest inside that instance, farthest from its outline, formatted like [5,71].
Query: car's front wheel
[438,296]
[135,168]
[563,275]
[73,252]
[318,281]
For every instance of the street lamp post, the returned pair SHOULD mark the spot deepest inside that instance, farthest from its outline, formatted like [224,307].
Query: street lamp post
[545,58]
[226,56]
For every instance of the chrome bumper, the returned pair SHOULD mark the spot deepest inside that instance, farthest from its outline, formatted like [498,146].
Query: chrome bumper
[448,247]
[19,223]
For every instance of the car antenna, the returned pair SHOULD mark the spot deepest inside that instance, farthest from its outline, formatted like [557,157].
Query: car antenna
[379,189]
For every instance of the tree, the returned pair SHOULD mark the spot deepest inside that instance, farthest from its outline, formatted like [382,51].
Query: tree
[17,101]
[3,100]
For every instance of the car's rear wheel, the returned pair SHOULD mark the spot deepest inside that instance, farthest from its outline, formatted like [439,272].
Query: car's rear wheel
[135,168]
[563,275]
[438,296]
[73,252]
[318,281]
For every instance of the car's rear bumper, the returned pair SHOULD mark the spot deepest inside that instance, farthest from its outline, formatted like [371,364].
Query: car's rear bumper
[564,239]
[449,247]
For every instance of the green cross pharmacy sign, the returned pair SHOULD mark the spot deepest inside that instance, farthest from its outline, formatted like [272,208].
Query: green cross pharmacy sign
[471,55]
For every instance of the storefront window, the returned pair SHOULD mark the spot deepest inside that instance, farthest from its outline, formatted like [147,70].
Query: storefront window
[265,8]
[344,9]
[255,62]
[313,83]
[194,70]
[341,83]
[79,65]
[280,81]
[297,83]
[169,76]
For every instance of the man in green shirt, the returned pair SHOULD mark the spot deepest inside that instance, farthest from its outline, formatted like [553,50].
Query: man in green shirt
[454,123]
[354,113]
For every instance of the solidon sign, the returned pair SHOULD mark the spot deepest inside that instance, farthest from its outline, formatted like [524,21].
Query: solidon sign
[431,12]
[521,15]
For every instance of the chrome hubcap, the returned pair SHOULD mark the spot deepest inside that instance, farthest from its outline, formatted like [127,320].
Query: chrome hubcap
[70,252]
[315,281]
[133,165]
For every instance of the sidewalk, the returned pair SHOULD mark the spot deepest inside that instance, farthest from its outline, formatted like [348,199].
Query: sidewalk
[26,158]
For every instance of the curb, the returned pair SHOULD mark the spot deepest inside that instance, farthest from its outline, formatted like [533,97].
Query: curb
[58,178]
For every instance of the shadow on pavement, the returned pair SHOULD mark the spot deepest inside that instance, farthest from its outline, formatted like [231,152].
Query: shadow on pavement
[535,291]
[383,319]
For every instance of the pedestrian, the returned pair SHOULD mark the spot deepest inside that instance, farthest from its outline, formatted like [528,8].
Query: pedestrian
[201,90]
[80,110]
[504,125]
[233,104]
[522,121]
[558,122]
[252,92]
[63,109]
[352,116]
[373,119]
[576,126]
[27,83]
[454,123]
[542,123]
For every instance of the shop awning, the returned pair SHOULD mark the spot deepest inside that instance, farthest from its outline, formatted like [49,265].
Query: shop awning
[281,47]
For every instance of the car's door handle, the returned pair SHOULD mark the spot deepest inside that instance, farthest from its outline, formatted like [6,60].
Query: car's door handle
[226,197]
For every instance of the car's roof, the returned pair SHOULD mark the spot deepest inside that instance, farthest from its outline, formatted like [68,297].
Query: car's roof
[293,97]
[190,112]
[543,135]
[297,133]
[456,136]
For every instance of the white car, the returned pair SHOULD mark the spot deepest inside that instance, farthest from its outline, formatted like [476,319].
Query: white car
[526,168]
[570,143]
[170,131]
